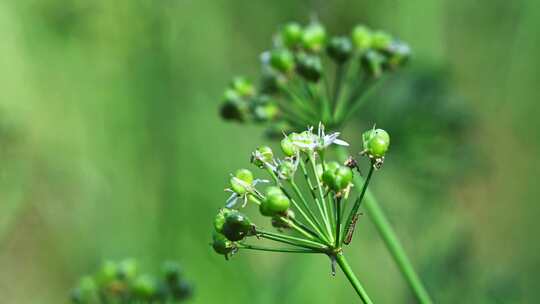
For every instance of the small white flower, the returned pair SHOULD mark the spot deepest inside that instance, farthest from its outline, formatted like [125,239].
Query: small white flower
[307,140]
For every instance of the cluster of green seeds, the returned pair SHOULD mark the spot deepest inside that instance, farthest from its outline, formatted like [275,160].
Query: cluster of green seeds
[295,87]
[121,282]
[307,221]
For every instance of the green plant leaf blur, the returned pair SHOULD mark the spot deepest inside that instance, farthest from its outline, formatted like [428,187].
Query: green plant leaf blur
[111,146]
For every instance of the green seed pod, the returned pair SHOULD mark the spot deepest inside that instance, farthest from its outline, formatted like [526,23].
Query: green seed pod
[262,155]
[145,287]
[376,142]
[372,62]
[243,87]
[237,226]
[381,40]
[181,291]
[291,35]
[172,272]
[127,269]
[233,107]
[221,244]
[107,274]
[275,202]
[220,219]
[397,54]
[314,37]
[339,49]
[343,177]
[286,170]
[288,148]
[282,60]
[241,181]
[265,111]
[361,37]
[85,292]
[309,67]
[329,174]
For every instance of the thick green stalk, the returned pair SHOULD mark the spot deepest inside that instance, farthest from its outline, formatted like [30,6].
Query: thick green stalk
[391,241]
[342,262]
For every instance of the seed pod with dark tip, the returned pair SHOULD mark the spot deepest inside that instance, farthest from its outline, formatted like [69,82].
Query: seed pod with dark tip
[339,49]
[309,67]
[237,226]
[372,62]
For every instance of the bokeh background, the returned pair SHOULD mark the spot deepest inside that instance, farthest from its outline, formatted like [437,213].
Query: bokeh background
[111,146]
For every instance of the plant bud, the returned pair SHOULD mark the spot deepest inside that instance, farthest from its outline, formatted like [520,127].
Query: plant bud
[221,244]
[372,62]
[85,291]
[127,269]
[309,67]
[397,54]
[182,291]
[276,202]
[145,287]
[220,219]
[339,49]
[282,60]
[262,155]
[171,272]
[243,87]
[107,274]
[264,109]
[381,40]
[288,148]
[233,107]
[286,170]
[336,176]
[361,37]
[314,37]
[376,142]
[291,35]
[344,176]
[241,181]
[237,226]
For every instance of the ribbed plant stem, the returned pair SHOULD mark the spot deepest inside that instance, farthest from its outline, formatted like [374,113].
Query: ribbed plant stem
[344,265]
[387,233]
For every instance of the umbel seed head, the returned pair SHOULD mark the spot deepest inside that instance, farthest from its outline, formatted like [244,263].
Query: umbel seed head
[263,155]
[336,176]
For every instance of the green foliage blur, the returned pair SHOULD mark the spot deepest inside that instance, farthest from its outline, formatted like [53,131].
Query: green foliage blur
[111,146]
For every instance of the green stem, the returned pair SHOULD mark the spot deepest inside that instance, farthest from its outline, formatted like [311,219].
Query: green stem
[321,198]
[338,220]
[357,203]
[312,218]
[391,241]
[342,262]
[288,250]
[293,240]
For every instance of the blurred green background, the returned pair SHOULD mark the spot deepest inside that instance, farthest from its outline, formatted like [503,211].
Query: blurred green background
[111,146]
